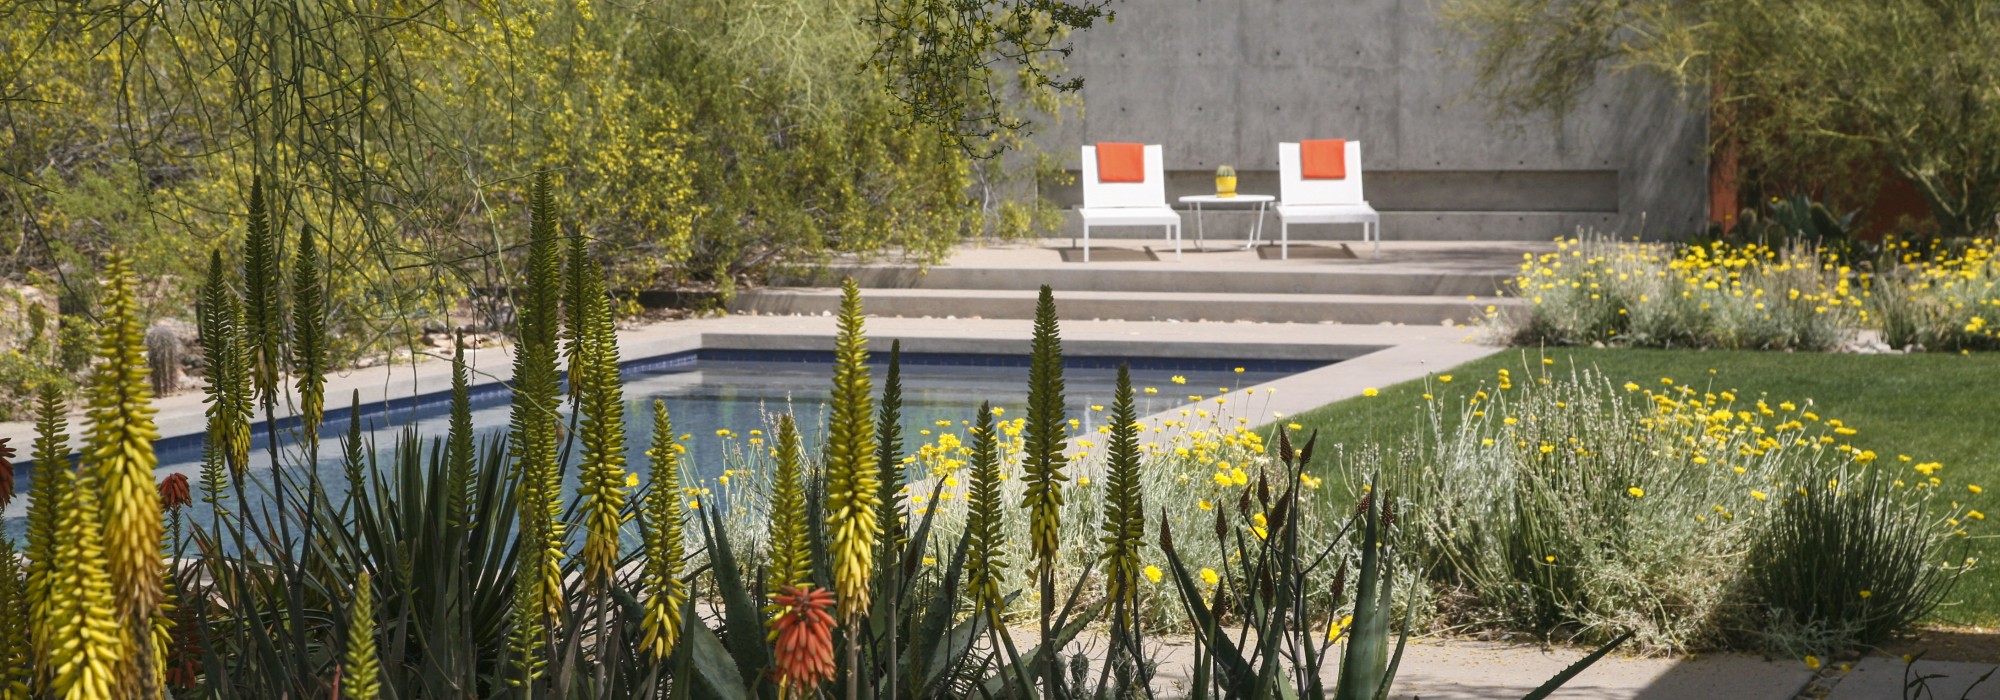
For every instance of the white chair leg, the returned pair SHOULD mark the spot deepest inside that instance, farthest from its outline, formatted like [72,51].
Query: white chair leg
[1285,241]
[1175,231]
[1086,242]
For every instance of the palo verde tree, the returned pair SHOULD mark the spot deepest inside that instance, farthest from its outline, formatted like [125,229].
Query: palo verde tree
[1803,87]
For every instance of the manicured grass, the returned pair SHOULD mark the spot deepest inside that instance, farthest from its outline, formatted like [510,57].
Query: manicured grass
[1932,407]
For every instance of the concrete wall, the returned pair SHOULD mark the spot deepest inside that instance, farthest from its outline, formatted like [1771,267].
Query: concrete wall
[1223,81]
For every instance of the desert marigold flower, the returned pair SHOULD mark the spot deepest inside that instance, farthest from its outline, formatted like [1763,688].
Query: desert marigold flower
[1974,488]
[805,637]
[1153,573]
[1209,576]
[1636,492]
[1370,391]
[1812,662]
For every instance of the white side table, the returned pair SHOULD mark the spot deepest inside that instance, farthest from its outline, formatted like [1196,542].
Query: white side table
[1261,201]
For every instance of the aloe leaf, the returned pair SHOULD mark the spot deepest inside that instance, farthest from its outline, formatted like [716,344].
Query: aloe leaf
[743,619]
[1559,679]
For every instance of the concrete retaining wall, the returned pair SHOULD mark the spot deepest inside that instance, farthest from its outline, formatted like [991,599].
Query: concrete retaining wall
[1223,81]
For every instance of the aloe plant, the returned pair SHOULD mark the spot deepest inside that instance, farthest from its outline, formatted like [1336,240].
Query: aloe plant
[1286,634]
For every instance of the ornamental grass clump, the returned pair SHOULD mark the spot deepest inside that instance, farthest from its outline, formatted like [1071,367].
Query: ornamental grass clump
[1847,563]
[1593,290]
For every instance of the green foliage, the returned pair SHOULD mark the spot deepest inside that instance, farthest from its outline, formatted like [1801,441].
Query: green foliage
[1805,88]
[1797,219]
[47,502]
[939,57]
[852,487]
[309,361]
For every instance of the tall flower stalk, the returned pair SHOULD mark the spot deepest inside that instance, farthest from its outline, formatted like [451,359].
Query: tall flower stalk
[662,526]
[16,661]
[227,363]
[985,562]
[309,340]
[263,313]
[361,668]
[119,457]
[790,552]
[88,653]
[601,403]
[533,437]
[1046,439]
[851,482]
[458,443]
[46,507]
[1124,522]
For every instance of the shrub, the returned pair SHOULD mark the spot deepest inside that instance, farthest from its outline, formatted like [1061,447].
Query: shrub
[1939,296]
[1569,504]
[1596,291]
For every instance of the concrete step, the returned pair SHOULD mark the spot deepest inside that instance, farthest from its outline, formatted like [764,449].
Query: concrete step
[1129,306]
[1103,278]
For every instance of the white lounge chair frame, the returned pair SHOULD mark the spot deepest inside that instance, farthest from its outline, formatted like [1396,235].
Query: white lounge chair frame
[1302,201]
[1128,203]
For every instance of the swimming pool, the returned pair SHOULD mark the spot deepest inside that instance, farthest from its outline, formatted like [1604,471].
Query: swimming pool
[739,391]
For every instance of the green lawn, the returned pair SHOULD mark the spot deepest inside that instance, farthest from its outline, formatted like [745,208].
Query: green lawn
[1936,407]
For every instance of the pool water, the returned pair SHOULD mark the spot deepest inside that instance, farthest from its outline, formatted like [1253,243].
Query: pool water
[705,396]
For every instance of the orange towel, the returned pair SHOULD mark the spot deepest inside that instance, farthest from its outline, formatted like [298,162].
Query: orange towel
[1121,162]
[1323,159]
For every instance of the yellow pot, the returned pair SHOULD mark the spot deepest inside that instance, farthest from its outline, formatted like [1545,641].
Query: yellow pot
[1225,186]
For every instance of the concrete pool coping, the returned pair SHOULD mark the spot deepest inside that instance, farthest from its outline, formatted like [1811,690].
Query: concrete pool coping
[1360,357]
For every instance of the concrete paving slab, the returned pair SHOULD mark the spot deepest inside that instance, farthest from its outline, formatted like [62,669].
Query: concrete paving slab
[1454,669]
[1133,306]
[1881,678]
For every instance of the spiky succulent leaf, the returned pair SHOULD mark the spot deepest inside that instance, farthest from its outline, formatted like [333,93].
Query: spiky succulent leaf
[889,451]
[852,488]
[663,528]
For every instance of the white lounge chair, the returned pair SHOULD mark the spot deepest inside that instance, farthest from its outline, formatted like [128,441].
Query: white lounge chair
[1303,201]
[1128,203]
